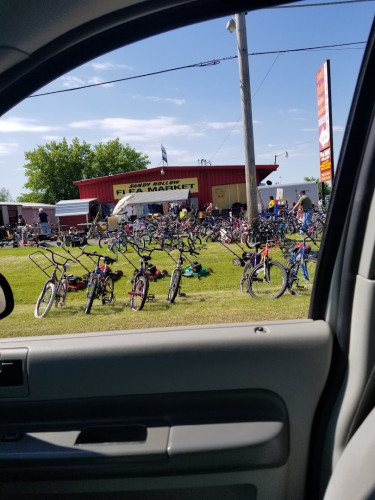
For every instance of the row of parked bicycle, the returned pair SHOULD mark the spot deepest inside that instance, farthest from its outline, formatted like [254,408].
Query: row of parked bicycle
[168,230]
[262,277]
[100,280]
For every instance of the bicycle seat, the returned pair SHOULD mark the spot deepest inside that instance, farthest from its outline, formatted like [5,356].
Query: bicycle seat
[146,258]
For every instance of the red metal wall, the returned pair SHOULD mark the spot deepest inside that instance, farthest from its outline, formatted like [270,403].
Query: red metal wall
[102,187]
[77,221]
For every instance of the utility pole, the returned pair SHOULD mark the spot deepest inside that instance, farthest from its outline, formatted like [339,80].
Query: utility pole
[247,118]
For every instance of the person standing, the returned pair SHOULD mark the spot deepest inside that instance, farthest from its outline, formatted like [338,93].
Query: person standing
[271,205]
[43,221]
[306,206]
[21,228]
[21,221]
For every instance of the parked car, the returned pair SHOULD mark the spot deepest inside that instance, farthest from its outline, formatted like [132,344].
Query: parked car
[270,410]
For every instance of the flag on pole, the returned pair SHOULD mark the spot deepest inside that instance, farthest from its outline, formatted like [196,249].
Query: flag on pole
[164,154]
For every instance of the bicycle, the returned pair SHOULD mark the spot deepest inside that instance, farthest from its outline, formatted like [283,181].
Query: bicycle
[55,288]
[268,279]
[248,260]
[101,284]
[141,281]
[301,266]
[175,283]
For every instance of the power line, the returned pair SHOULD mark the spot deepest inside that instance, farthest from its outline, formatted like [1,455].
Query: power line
[323,4]
[213,62]
[252,97]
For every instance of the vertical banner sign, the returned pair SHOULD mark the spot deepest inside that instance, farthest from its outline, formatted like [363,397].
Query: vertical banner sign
[323,85]
[164,154]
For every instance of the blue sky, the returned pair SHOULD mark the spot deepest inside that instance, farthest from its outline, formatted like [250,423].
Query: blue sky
[196,113]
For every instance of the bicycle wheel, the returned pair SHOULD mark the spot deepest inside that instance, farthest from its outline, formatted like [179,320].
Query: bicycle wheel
[319,228]
[139,293]
[245,274]
[61,291]
[91,294]
[267,280]
[212,236]
[140,242]
[108,290]
[290,227]
[301,277]
[117,246]
[104,241]
[45,300]
[174,285]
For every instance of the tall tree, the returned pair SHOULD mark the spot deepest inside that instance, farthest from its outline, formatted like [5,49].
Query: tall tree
[52,169]
[5,195]
[31,198]
[114,158]
[327,188]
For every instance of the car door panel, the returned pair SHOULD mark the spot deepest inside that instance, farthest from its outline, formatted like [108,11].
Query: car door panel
[186,401]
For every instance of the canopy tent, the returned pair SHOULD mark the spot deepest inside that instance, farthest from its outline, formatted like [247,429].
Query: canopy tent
[150,198]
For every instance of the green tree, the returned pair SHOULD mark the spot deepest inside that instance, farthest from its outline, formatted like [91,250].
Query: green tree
[30,197]
[115,158]
[327,188]
[5,195]
[52,169]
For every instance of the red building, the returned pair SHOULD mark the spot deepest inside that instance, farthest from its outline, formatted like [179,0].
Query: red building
[222,185]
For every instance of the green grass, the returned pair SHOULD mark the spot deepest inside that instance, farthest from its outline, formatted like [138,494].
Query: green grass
[213,299]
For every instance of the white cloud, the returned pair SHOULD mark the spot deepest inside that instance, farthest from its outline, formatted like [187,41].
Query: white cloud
[144,131]
[338,128]
[171,100]
[14,124]
[8,148]
[52,138]
[97,80]
[222,125]
[105,66]
[72,81]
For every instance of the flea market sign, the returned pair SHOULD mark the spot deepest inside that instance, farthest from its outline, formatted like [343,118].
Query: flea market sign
[120,190]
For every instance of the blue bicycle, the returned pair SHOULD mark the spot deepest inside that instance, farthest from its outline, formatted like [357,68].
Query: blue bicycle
[300,266]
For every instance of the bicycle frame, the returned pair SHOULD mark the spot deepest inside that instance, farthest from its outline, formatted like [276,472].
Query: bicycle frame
[100,284]
[299,258]
[54,289]
[175,282]
[141,280]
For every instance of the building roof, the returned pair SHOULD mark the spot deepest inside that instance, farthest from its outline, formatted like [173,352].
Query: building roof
[262,171]
[73,207]
[26,204]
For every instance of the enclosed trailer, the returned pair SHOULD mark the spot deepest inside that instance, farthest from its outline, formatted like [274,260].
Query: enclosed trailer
[76,213]
[289,192]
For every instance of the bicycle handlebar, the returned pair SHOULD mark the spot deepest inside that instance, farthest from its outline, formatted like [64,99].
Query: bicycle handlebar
[54,254]
[96,254]
[138,249]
